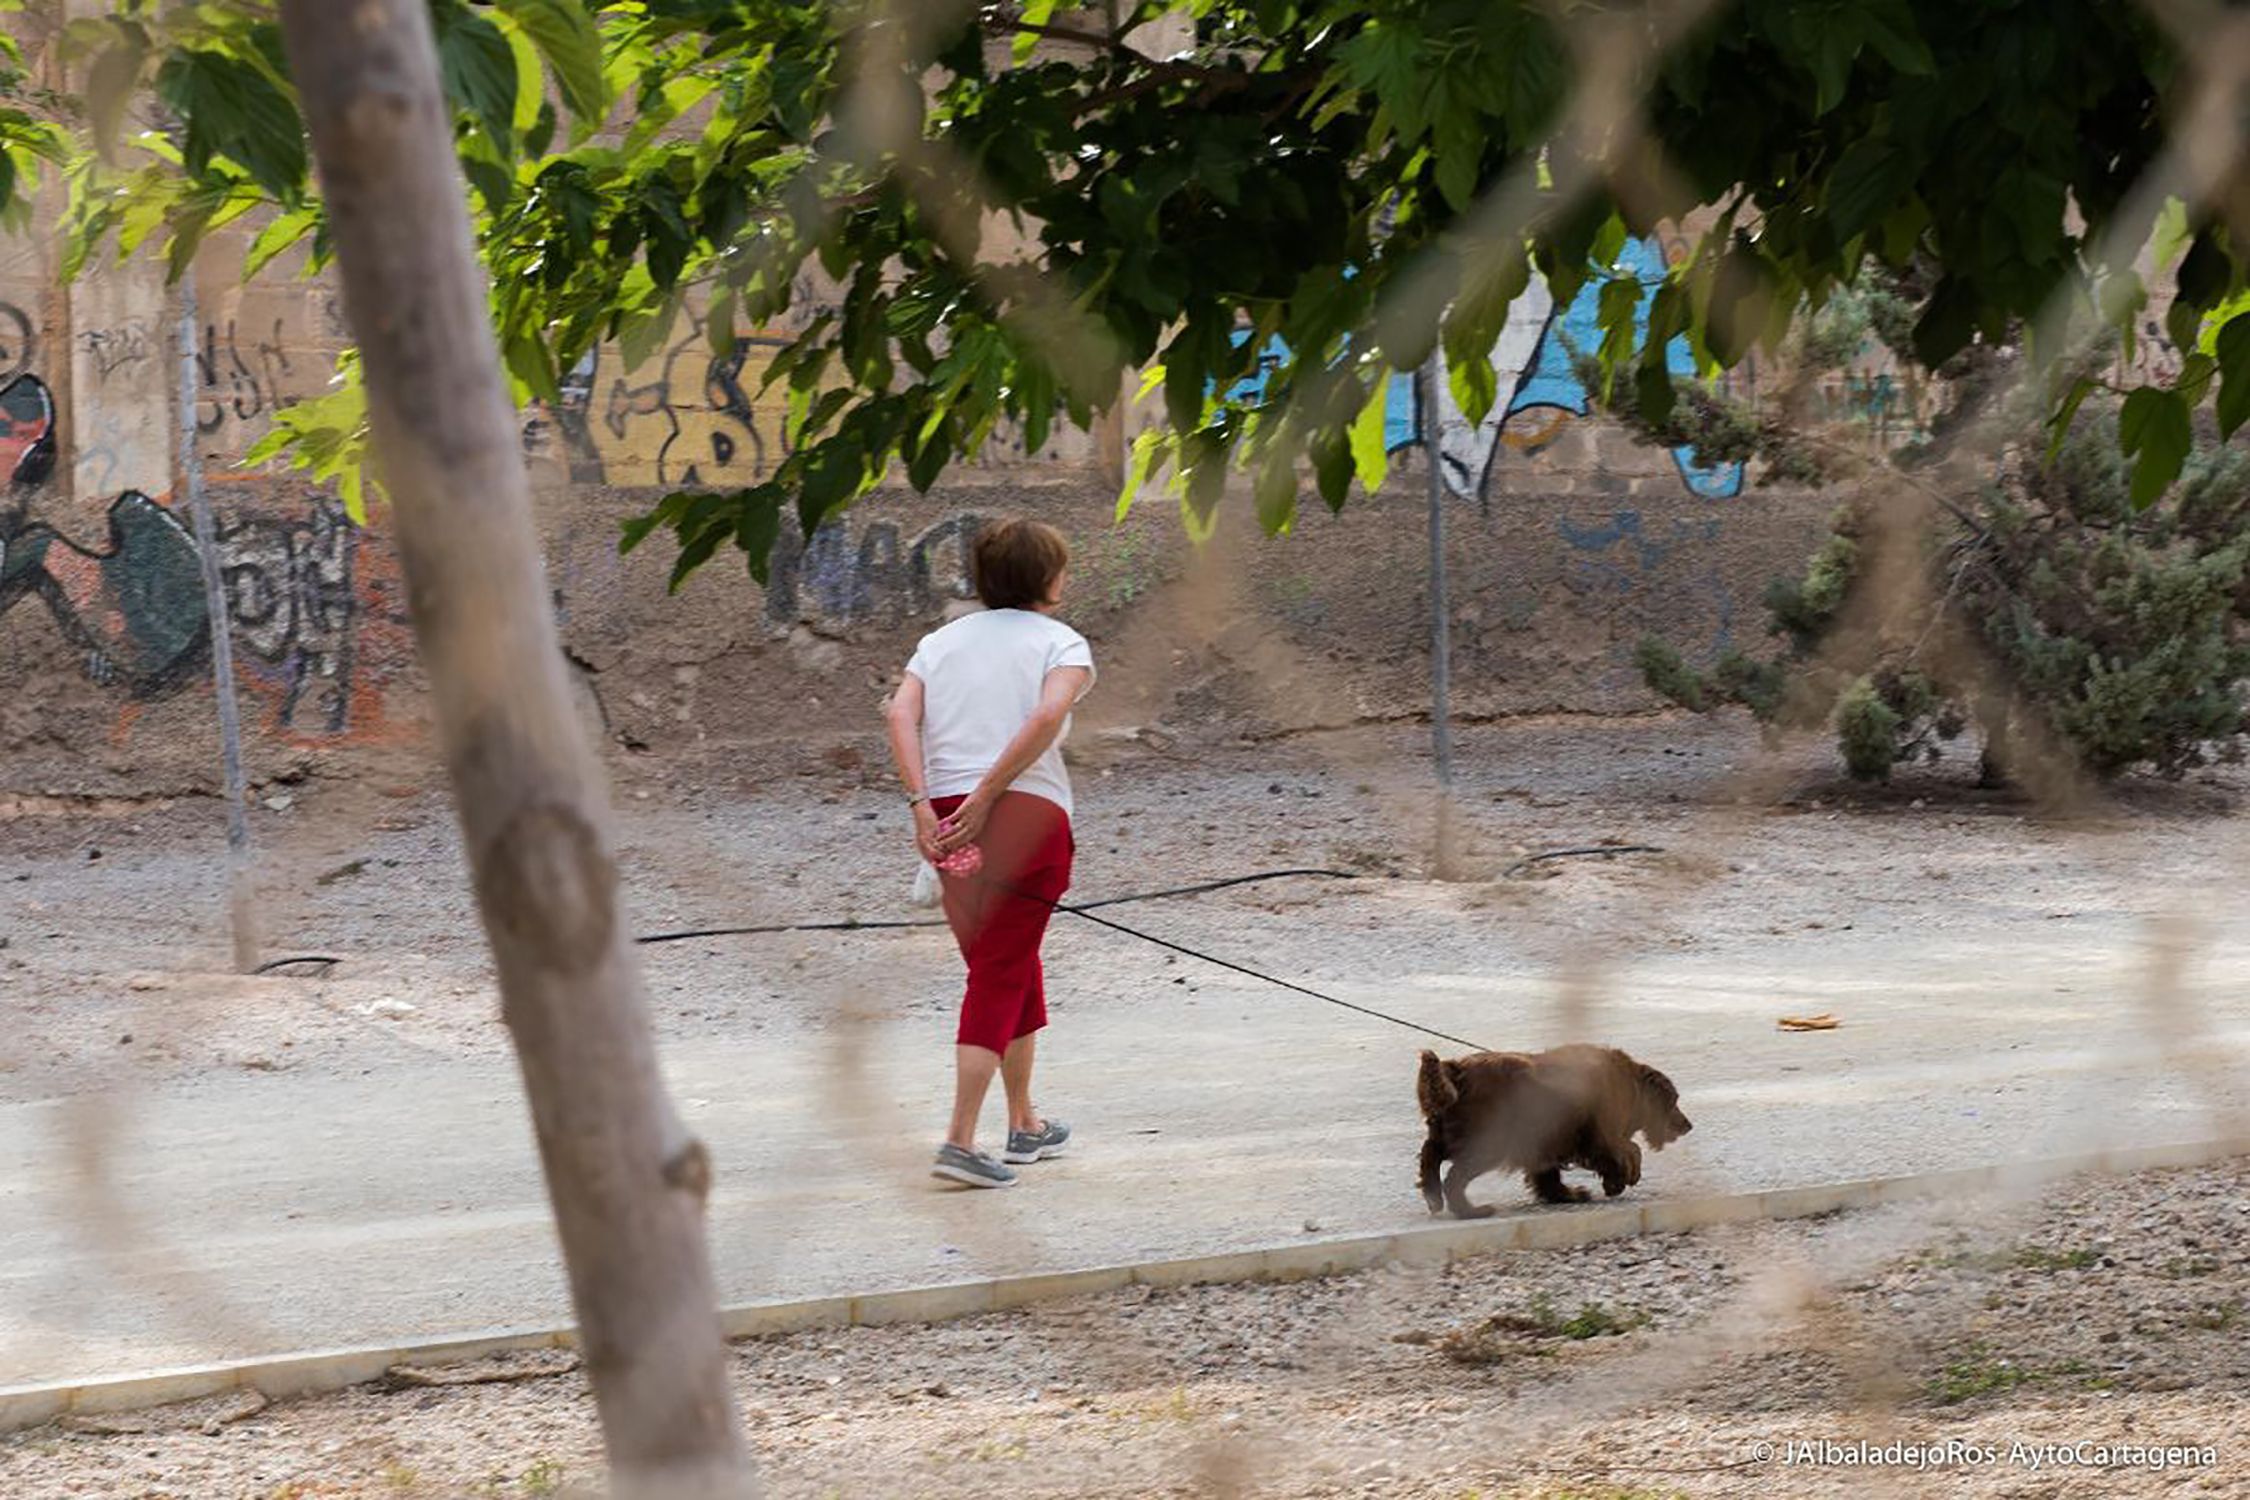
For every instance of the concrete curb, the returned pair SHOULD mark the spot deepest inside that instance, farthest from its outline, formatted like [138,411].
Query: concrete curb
[323,1371]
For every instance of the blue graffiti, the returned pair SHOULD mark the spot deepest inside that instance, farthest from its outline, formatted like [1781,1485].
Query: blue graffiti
[1546,380]
[1400,427]
[1550,380]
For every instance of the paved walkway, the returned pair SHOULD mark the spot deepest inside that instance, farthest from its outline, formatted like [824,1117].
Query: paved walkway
[262,1213]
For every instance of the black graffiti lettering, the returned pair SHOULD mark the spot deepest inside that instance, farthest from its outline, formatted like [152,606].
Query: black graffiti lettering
[237,388]
[833,581]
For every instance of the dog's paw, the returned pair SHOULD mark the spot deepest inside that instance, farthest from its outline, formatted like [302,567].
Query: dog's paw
[1612,1186]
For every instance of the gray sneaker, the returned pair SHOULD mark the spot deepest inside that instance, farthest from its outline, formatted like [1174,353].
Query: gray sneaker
[971,1167]
[1036,1145]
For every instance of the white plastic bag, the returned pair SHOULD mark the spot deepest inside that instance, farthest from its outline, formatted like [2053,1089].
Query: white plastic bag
[925,884]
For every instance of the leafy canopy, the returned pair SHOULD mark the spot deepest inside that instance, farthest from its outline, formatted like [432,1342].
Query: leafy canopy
[1336,178]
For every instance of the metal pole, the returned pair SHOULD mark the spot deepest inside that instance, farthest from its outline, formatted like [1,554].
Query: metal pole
[240,908]
[1441,632]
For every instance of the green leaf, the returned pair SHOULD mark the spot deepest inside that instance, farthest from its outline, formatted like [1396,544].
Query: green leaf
[1890,29]
[2234,373]
[2172,234]
[925,462]
[1475,386]
[2183,323]
[1653,393]
[1741,298]
[1148,448]
[1835,49]
[1035,13]
[281,232]
[478,69]
[1203,484]
[565,36]
[1369,460]
[1615,309]
[188,229]
[2194,379]
[528,358]
[1947,323]
[2154,425]
[758,527]
[2066,413]
[2205,273]
[1866,185]
[695,551]
[1609,243]
[1496,275]
[1332,468]
[1276,493]
[233,109]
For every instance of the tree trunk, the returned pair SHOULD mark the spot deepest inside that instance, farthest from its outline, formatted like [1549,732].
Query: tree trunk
[626,1179]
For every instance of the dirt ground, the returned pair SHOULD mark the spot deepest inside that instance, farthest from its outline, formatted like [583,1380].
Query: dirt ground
[2108,1313]
[2089,1333]
[112,915]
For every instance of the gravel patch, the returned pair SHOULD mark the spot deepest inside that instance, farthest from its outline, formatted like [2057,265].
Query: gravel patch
[2102,1319]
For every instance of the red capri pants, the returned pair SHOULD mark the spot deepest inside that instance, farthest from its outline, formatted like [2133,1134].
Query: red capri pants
[999,915]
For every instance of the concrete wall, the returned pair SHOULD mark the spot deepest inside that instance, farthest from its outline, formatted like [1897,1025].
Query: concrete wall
[1568,544]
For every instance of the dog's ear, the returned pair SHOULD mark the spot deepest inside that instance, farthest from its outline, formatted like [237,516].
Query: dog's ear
[1434,1087]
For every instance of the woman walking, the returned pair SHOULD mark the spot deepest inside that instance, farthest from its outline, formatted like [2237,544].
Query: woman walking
[976,728]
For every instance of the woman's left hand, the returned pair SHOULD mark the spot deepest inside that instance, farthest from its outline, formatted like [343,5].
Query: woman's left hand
[966,823]
[926,832]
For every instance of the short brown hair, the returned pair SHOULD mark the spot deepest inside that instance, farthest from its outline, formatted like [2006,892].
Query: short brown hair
[1014,563]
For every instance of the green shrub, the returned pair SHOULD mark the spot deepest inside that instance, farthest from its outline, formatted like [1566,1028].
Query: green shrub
[2055,609]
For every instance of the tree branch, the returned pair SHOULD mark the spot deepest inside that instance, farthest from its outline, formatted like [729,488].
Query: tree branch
[997,22]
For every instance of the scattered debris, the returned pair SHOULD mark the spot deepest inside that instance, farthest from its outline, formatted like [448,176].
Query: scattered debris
[1821,1022]
[105,1424]
[342,872]
[248,1405]
[386,1008]
[505,1369]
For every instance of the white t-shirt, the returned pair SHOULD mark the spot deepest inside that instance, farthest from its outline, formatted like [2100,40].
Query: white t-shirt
[981,678]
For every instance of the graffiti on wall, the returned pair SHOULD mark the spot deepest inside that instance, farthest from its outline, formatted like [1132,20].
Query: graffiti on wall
[692,421]
[243,376]
[690,416]
[1613,560]
[1538,389]
[870,572]
[131,605]
[111,350]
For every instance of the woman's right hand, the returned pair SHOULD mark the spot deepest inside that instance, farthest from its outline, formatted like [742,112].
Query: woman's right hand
[926,832]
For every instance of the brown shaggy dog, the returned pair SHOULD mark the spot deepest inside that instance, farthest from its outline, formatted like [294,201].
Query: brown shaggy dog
[1537,1113]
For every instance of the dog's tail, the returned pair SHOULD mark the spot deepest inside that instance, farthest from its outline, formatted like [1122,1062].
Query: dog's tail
[1435,1086]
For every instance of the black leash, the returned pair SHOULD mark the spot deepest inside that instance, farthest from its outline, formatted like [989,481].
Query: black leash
[1150,937]
[1086,909]
[855,925]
